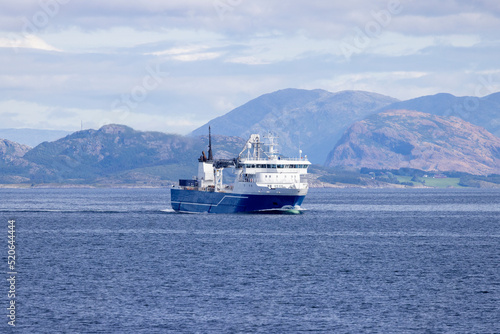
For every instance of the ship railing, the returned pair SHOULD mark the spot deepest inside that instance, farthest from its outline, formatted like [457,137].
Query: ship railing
[287,186]
[274,159]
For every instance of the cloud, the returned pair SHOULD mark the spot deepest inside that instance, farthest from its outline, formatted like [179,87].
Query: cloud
[25,41]
[328,19]
[77,58]
[187,53]
[459,23]
[34,115]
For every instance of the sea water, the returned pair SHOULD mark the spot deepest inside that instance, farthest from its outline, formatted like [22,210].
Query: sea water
[358,261]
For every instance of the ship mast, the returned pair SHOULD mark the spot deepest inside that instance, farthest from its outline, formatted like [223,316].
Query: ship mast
[210,156]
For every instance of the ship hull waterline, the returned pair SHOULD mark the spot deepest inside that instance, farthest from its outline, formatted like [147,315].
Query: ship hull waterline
[191,201]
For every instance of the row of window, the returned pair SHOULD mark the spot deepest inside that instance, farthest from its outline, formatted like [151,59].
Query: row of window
[273,166]
[276,175]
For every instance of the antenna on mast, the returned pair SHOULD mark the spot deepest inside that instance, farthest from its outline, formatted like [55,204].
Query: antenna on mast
[300,151]
[210,156]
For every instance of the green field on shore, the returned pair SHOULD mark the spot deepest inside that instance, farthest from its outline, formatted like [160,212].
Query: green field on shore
[433,182]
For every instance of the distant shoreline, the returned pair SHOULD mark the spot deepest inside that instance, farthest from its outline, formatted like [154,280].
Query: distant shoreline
[136,186]
[78,186]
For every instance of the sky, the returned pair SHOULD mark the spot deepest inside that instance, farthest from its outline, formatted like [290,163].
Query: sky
[173,65]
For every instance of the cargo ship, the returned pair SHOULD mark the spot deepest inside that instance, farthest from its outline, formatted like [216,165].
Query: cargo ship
[265,182]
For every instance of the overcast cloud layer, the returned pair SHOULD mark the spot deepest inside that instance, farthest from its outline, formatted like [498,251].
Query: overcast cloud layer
[173,65]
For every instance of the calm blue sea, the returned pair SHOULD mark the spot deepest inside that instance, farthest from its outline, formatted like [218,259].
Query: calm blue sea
[359,261]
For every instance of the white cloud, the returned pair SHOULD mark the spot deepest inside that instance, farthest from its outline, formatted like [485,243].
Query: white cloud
[395,44]
[25,41]
[176,51]
[90,53]
[20,114]
[278,48]
[249,60]
[187,53]
[103,40]
[197,56]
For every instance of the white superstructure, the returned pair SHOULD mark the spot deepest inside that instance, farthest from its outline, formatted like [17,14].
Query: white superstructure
[259,169]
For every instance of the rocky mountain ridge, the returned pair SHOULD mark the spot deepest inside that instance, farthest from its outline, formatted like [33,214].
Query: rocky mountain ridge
[484,111]
[311,120]
[369,135]
[411,139]
[117,153]
[10,151]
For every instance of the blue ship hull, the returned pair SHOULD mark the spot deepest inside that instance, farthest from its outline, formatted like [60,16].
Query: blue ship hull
[216,202]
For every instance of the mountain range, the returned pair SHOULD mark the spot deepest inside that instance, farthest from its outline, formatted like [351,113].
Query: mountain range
[112,154]
[484,111]
[345,129]
[310,120]
[410,139]
[314,120]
